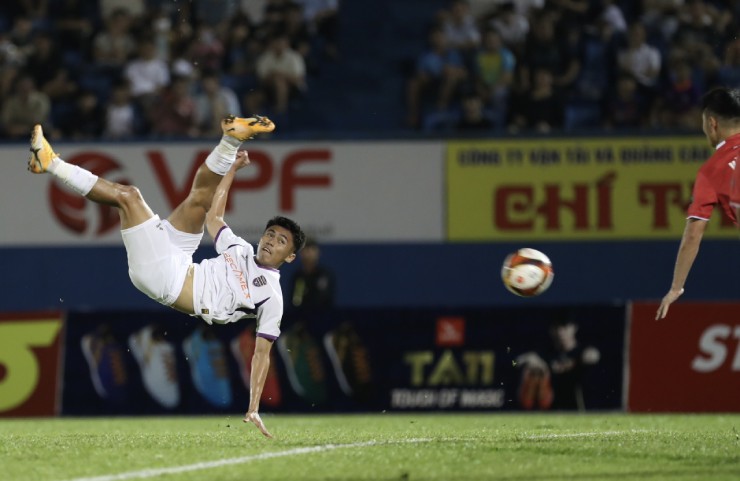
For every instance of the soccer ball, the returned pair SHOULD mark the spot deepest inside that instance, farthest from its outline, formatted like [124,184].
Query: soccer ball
[527,272]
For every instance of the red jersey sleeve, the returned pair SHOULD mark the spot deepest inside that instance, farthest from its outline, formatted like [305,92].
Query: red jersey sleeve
[704,198]
[735,187]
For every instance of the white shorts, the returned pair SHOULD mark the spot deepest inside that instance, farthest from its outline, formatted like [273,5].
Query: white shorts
[159,257]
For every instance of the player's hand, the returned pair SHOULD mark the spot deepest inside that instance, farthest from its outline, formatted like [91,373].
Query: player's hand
[255,419]
[668,299]
[242,160]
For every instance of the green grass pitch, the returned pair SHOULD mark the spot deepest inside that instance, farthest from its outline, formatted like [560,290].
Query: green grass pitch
[405,447]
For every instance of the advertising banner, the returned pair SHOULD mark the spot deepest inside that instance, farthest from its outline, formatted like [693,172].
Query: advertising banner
[340,192]
[574,189]
[29,363]
[688,362]
[349,360]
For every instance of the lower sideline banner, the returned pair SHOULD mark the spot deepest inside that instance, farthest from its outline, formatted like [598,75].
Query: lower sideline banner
[687,362]
[366,360]
[29,363]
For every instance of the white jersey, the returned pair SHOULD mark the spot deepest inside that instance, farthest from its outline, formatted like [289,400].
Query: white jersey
[233,286]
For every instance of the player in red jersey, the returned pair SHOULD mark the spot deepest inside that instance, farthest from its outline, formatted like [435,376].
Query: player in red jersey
[714,181]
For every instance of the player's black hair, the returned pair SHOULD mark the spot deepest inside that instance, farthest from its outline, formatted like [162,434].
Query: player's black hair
[722,102]
[299,237]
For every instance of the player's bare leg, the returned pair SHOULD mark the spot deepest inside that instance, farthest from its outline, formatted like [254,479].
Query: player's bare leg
[190,215]
[132,208]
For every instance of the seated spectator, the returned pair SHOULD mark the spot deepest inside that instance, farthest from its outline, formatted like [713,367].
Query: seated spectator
[679,103]
[147,74]
[322,18]
[213,103]
[282,75]
[494,70]
[460,28]
[173,112]
[642,61]
[474,117]
[297,30]
[73,24]
[440,71]
[729,72]
[512,25]
[624,109]
[48,71]
[120,114]
[113,46]
[545,51]
[542,110]
[135,8]
[86,120]
[25,107]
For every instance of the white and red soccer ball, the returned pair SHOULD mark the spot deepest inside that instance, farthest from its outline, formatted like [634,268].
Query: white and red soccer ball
[527,272]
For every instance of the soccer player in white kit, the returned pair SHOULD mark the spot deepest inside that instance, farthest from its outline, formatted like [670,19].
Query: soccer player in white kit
[239,283]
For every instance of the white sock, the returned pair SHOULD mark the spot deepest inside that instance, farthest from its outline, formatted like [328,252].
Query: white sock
[73,176]
[223,156]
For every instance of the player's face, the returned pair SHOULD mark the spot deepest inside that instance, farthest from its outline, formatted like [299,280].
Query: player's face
[275,247]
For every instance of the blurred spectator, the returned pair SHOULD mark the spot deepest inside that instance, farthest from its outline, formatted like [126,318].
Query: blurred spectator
[494,68]
[297,30]
[729,72]
[73,25]
[459,27]
[254,9]
[474,117]
[322,18]
[282,75]
[679,102]
[625,110]
[120,114]
[173,112]
[642,61]
[542,110]
[113,46]
[313,284]
[207,50]
[512,25]
[241,49]
[24,108]
[21,36]
[147,74]
[213,103]
[86,119]
[440,71]
[612,17]
[545,51]
[213,12]
[135,8]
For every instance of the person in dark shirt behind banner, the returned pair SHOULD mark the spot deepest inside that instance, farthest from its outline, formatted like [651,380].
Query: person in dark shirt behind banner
[313,284]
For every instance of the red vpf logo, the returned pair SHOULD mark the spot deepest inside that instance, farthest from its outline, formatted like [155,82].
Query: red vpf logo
[70,208]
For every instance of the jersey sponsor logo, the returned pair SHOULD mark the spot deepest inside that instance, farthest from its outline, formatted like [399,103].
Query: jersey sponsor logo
[70,209]
[259,281]
[238,274]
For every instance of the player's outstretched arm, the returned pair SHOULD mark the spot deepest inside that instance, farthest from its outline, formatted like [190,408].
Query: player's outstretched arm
[215,216]
[260,366]
[687,251]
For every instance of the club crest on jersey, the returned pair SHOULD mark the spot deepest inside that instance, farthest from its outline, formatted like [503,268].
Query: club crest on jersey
[259,281]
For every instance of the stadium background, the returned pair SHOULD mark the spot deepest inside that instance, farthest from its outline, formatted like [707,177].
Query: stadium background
[414,221]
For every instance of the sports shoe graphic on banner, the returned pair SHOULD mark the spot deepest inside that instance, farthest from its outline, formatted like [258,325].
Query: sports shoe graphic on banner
[208,369]
[350,361]
[106,359]
[156,360]
[242,348]
[303,364]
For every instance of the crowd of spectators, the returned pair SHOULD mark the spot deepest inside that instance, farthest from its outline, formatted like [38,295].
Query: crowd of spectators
[548,65]
[120,69]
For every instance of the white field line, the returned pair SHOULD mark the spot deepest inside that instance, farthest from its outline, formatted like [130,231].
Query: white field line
[152,473]
[584,435]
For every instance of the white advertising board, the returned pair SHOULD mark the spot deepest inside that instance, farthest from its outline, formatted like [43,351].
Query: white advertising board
[339,192]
